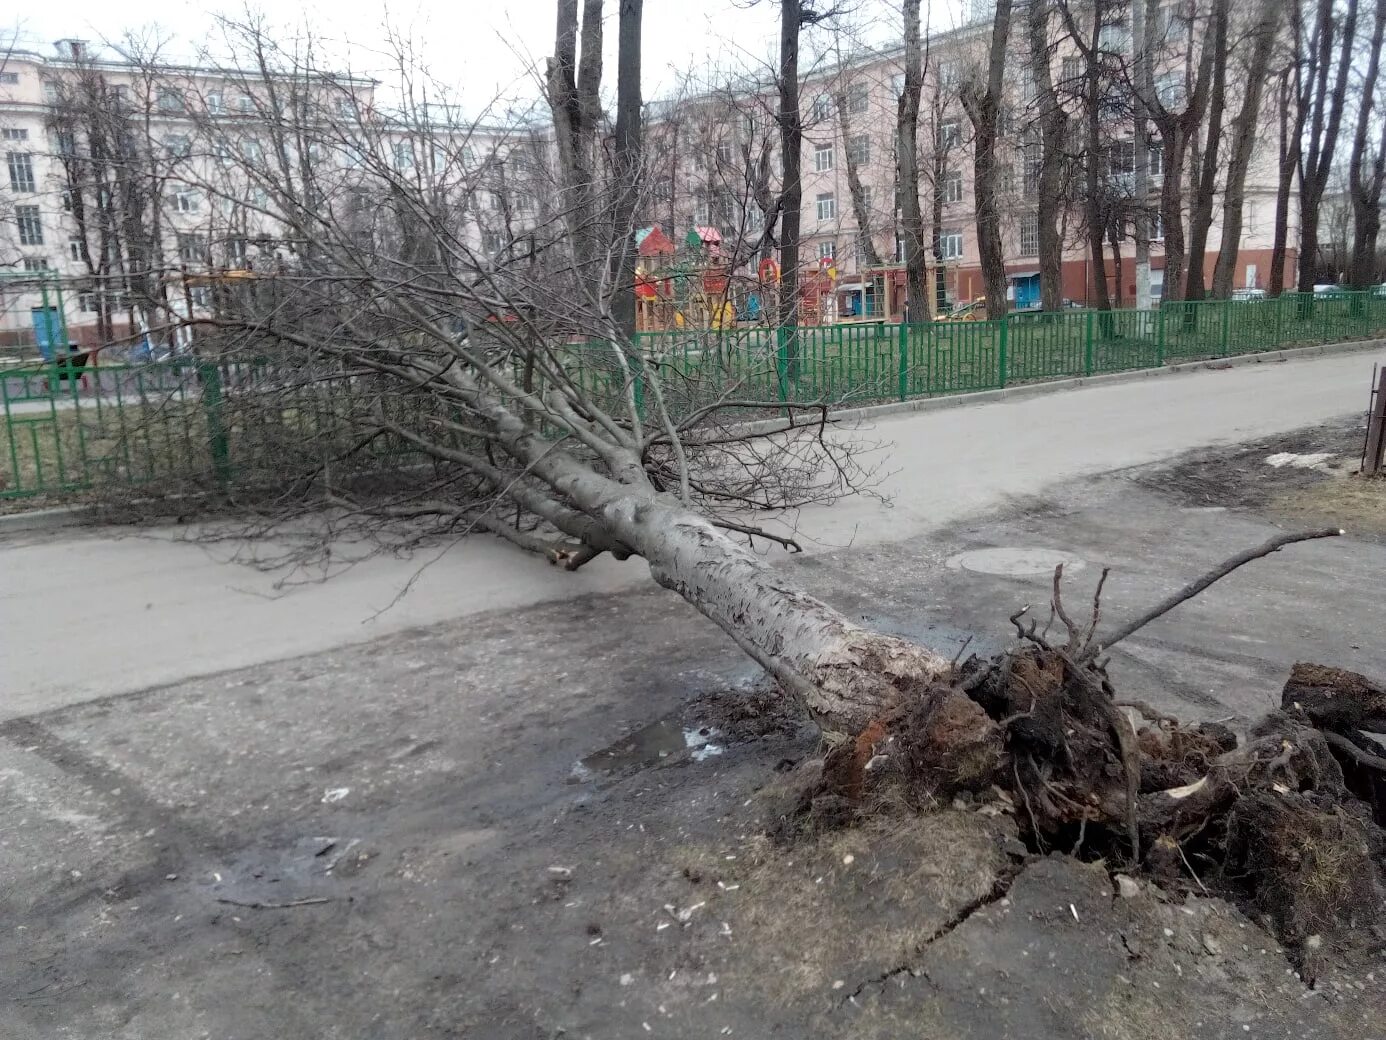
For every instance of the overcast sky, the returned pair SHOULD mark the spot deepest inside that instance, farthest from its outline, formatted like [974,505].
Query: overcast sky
[484,48]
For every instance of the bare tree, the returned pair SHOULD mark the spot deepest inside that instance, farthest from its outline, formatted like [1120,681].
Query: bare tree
[1204,162]
[861,209]
[982,99]
[573,85]
[1323,119]
[1366,171]
[626,163]
[791,124]
[1047,170]
[1095,99]
[907,167]
[1245,132]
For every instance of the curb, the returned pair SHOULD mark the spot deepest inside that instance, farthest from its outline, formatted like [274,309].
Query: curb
[45,519]
[1055,386]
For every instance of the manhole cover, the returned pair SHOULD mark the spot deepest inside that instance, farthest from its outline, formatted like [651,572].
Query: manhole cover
[1015,562]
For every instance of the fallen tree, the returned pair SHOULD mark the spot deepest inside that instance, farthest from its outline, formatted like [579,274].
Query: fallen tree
[464,386]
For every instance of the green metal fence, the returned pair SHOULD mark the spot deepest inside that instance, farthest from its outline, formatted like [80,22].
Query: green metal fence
[179,424]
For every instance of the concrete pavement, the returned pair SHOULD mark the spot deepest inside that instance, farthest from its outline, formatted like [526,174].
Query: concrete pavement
[89,614]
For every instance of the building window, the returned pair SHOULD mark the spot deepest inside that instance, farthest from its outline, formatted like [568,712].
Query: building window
[245,104]
[65,142]
[74,247]
[949,134]
[86,301]
[1169,88]
[866,198]
[858,98]
[952,186]
[170,100]
[30,226]
[177,146]
[822,108]
[1005,178]
[252,150]
[899,248]
[9,78]
[21,166]
[950,245]
[859,149]
[36,263]
[827,206]
[14,134]
[186,202]
[1115,37]
[191,249]
[897,84]
[1157,226]
[822,157]
[51,94]
[1157,160]
[121,94]
[1029,235]
[214,103]
[827,250]
[724,153]
[491,242]
[404,155]
[67,200]
[1071,72]
[1028,87]
[1032,160]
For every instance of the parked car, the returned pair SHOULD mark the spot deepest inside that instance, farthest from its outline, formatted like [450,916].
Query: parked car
[1379,290]
[1248,294]
[1329,289]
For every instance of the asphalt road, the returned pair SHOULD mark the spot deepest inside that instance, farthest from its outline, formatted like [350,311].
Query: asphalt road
[87,614]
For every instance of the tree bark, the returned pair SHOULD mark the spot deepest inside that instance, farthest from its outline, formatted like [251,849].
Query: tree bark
[1325,119]
[792,189]
[983,109]
[907,167]
[626,160]
[1093,213]
[1244,135]
[1205,160]
[861,212]
[1364,177]
[1291,133]
[1053,122]
[575,104]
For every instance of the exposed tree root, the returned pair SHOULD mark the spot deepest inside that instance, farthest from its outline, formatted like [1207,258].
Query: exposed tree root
[1288,822]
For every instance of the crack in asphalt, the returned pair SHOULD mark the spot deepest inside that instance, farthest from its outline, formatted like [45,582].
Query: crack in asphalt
[997,892]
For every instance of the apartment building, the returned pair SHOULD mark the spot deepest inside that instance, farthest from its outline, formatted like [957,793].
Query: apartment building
[217,153]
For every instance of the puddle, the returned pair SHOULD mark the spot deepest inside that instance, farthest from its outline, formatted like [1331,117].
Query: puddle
[648,747]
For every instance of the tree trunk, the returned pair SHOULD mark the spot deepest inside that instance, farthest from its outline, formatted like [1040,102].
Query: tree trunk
[1291,131]
[1244,135]
[626,160]
[1172,208]
[1092,203]
[1205,161]
[861,212]
[792,189]
[1143,62]
[575,105]
[1364,179]
[983,108]
[1326,114]
[1053,123]
[907,168]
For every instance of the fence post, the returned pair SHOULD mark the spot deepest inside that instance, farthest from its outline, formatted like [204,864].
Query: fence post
[1160,336]
[1003,364]
[1279,304]
[782,361]
[1226,318]
[904,366]
[1087,344]
[210,377]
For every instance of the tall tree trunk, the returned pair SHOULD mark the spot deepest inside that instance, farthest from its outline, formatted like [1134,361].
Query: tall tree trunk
[984,108]
[1326,108]
[575,104]
[1291,132]
[1144,76]
[1244,135]
[1094,215]
[1053,122]
[1204,167]
[792,190]
[1364,178]
[861,212]
[626,160]
[907,167]
[1173,139]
